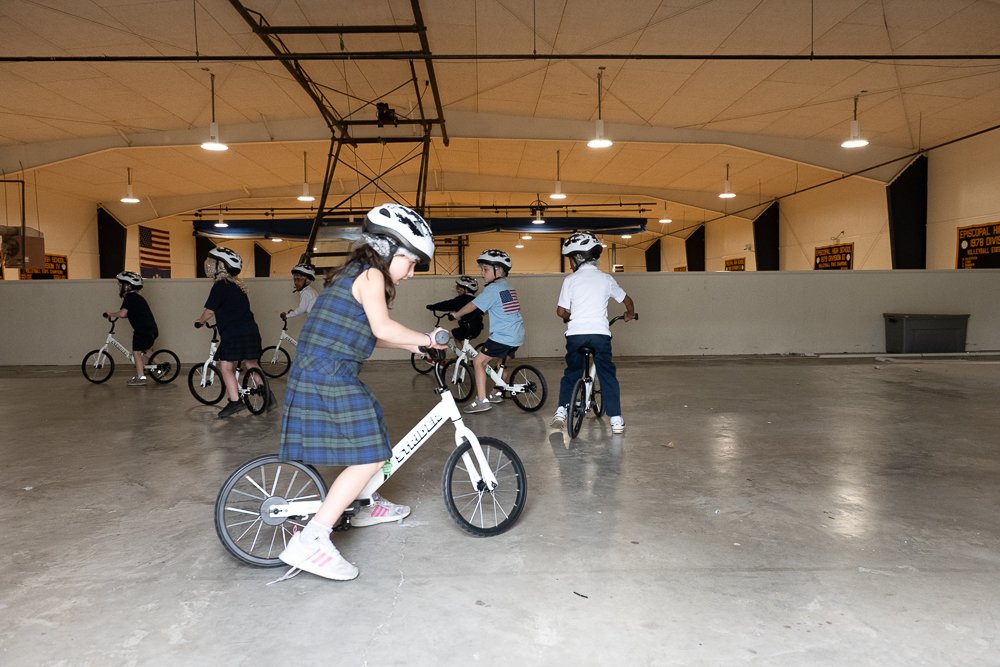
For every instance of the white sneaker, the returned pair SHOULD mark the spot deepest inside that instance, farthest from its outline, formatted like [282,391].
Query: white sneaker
[137,381]
[317,557]
[495,397]
[559,419]
[617,425]
[379,511]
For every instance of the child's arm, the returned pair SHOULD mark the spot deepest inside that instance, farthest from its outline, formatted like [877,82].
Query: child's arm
[369,290]
[205,317]
[464,310]
[562,313]
[629,308]
[117,314]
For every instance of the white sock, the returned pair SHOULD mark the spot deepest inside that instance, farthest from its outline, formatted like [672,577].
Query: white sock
[315,530]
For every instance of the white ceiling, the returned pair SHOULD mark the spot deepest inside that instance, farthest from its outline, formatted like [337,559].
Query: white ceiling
[75,127]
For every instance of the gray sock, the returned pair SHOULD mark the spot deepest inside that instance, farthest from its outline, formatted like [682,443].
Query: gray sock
[315,530]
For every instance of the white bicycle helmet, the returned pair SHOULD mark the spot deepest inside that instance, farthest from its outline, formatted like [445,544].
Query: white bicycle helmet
[405,228]
[130,278]
[305,270]
[232,260]
[494,257]
[468,283]
[582,247]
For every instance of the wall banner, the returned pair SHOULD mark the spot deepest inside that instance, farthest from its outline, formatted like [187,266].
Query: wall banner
[838,257]
[736,264]
[979,247]
[56,267]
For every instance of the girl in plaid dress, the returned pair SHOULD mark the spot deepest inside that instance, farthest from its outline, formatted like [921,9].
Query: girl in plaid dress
[331,417]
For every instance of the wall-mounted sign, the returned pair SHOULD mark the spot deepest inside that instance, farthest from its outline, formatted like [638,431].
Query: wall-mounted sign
[736,264]
[835,257]
[55,268]
[979,247]
[680,269]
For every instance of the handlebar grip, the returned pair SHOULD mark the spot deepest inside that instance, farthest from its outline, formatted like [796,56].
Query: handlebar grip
[635,316]
[198,325]
[442,337]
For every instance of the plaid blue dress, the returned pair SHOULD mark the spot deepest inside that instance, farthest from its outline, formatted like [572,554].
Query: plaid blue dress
[330,416]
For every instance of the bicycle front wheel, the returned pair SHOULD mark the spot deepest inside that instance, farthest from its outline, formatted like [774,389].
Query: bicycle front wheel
[459,379]
[255,391]
[274,361]
[206,384]
[577,408]
[163,366]
[421,363]
[242,509]
[596,401]
[478,510]
[98,366]
[535,390]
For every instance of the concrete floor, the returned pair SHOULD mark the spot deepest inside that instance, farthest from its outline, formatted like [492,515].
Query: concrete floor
[771,511]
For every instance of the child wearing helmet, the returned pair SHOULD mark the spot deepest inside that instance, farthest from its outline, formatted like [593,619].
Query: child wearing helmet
[331,417]
[470,325]
[303,276]
[229,304]
[140,317]
[583,306]
[500,300]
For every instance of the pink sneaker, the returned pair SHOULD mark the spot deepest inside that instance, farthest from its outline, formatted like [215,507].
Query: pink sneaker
[317,557]
[379,511]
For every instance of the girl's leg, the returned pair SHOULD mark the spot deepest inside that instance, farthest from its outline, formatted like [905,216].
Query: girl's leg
[227,369]
[344,491]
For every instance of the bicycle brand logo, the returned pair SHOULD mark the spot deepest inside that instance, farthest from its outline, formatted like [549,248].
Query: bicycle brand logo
[415,437]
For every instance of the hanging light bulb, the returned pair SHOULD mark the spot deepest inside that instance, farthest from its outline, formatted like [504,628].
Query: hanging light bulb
[305,196]
[129,198]
[525,237]
[221,222]
[727,192]
[599,140]
[213,143]
[539,220]
[855,140]
[557,193]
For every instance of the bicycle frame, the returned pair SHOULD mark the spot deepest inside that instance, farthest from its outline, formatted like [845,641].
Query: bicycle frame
[207,374]
[445,410]
[111,340]
[467,353]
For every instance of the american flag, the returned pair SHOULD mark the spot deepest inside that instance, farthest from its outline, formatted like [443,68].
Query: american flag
[154,253]
[508,298]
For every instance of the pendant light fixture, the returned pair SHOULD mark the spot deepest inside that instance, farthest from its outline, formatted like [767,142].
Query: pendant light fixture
[599,140]
[665,220]
[213,143]
[727,191]
[129,198]
[855,140]
[221,222]
[305,196]
[557,193]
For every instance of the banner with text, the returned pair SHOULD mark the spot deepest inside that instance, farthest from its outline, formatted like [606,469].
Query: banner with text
[979,246]
[56,267]
[839,257]
[736,264]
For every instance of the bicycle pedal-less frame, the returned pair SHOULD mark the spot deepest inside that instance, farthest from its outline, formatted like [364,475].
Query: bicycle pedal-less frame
[586,394]
[274,359]
[206,384]
[98,365]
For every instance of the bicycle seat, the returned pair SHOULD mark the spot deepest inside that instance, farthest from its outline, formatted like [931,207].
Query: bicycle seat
[586,349]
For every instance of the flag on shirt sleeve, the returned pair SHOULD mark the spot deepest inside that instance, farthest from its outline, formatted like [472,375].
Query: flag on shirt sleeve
[508,298]
[154,253]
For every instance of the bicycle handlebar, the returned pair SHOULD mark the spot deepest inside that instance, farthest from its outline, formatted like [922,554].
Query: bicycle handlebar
[198,325]
[635,316]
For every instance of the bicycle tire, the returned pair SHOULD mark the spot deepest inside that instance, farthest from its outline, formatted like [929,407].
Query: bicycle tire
[214,388]
[166,366]
[98,369]
[536,389]
[255,391]
[463,387]
[477,510]
[421,363]
[577,408]
[241,508]
[274,361]
[596,400]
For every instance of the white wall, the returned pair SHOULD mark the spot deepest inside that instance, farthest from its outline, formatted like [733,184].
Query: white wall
[55,323]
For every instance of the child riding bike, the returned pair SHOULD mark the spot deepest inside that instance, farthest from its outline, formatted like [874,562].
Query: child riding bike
[303,276]
[144,331]
[471,324]
[583,305]
[500,300]
[331,417]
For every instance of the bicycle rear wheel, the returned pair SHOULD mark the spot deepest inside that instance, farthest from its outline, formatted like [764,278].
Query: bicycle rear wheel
[255,391]
[274,361]
[577,408]
[242,517]
[596,400]
[206,385]
[477,510]
[462,384]
[535,388]
[165,366]
[97,366]
[421,363]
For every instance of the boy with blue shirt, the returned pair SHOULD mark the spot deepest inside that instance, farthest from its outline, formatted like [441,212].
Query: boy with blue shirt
[500,301]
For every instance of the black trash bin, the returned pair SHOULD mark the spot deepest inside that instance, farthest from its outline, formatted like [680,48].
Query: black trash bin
[908,333]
